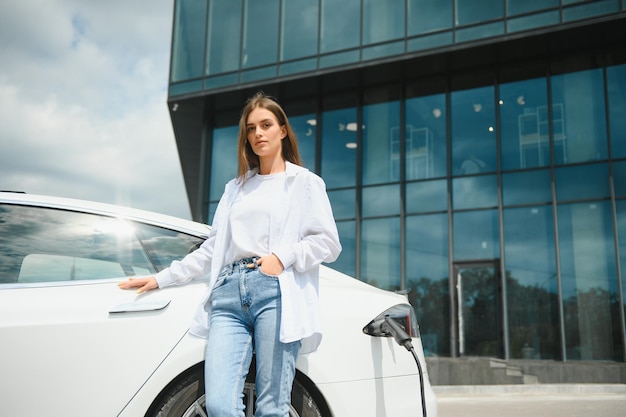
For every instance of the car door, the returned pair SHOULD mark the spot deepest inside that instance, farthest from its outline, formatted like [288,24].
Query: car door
[73,343]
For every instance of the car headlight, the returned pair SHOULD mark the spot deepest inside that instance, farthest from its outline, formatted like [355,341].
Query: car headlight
[402,314]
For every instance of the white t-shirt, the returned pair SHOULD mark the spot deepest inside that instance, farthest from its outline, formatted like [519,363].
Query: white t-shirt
[249,218]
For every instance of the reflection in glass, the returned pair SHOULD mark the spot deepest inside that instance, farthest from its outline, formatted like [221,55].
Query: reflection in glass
[476,235]
[589,284]
[341,23]
[525,133]
[526,6]
[346,262]
[616,87]
[305,127]
[526,187]
[260,35]
[582,181]
[474,11]
[428,16]
[343,203]
[381,143]
[188,46]
[473,131]
[619,178]
[532,294]
[381,201]
[427,279]
[339,148]
[380,252]
[426,137]
[46,245]
[224,36]
[299,29]
[223,160]
[579,117]
[474,192]
[425,196]
[621,233]
[382,20]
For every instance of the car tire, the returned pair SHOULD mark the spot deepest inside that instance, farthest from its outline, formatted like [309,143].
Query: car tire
[185,398]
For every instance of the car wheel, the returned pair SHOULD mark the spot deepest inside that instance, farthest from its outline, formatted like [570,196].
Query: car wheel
[186,399]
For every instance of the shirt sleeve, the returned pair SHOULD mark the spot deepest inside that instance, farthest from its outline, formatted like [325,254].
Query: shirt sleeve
[195,265]
[319,239]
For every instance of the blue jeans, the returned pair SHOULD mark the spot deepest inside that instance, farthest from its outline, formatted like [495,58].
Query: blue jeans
[245,317]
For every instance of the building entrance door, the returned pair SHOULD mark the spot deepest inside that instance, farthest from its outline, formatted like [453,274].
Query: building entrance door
[479,308]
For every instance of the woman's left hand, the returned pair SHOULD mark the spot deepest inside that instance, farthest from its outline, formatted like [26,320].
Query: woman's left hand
[271,265]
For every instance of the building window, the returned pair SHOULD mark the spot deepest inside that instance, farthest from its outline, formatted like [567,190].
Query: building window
[224,36]
[579,117]
[531,283]
[589,282]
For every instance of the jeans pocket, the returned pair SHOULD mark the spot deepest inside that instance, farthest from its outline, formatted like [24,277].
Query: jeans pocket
[267,275]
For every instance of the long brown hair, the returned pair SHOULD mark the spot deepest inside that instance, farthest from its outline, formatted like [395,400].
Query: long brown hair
[247,159]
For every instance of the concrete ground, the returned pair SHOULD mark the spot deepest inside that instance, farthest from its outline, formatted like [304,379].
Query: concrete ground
[540,400]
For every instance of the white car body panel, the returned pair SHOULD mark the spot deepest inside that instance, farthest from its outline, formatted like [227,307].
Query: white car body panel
[65,354]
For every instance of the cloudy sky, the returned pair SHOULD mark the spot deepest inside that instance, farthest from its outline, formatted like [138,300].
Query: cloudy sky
[83,113]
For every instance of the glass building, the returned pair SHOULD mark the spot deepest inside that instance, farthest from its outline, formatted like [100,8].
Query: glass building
[474,152]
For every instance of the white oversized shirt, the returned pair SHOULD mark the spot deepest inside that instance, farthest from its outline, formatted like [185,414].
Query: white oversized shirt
[302,234]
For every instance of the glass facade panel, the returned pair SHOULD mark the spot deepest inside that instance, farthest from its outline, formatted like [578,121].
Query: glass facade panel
[429,16]
[427,279]
[475,11]
[346,262]
[304,127]
[223,160]
[425,196]
[487,30]
[260,37]
[621,233]
[380,252]
[299,29]
[582,182]
[530,187]
[476,235]
[382,20]
[339,148]
[381,142]
[589,282]
[188,40]
[619,178]
[579,117]
[343,203]
[341,25]
[514,7]
[533,21]
[381,201]
[224,36]
[524,130]
[475,192]
[426,135]
[531,283]
[616,87]
[590,9]
[473,135]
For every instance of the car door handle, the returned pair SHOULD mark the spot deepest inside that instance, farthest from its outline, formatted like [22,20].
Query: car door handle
[146,305]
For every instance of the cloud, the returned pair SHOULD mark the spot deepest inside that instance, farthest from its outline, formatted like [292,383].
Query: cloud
[83,110]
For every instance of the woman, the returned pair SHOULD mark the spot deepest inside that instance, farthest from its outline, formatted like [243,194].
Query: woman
[272,229]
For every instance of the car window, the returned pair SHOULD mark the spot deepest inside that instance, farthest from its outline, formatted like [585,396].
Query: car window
[165,246]
[44,245]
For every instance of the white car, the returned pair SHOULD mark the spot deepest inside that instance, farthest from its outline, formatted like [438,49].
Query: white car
[75,345]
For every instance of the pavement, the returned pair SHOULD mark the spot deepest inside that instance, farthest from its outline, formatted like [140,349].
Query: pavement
[536,400]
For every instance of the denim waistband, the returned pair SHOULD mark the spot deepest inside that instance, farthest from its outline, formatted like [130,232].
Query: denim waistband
[248,264]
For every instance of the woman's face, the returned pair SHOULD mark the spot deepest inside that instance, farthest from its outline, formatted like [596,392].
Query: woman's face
[264,133]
